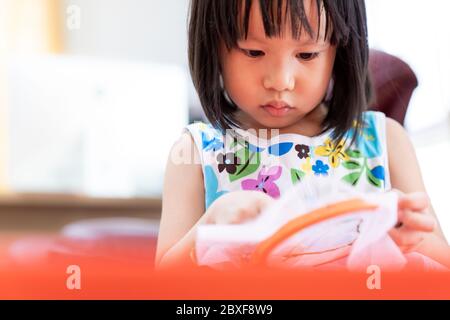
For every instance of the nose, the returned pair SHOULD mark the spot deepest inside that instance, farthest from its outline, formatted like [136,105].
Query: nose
[280,76]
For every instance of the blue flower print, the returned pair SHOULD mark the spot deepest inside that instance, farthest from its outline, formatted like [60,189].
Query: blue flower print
[320,168]
[211,186]
[368,142]
[211,144]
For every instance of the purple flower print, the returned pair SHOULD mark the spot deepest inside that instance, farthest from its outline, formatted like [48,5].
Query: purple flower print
[265,182]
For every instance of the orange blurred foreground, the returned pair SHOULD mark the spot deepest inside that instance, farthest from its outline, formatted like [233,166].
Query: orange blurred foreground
[118,280]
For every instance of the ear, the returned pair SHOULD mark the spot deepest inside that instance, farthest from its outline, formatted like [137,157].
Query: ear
[221,81]
[224,91]
[330,89]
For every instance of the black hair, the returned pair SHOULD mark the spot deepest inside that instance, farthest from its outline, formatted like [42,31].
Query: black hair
[213,21]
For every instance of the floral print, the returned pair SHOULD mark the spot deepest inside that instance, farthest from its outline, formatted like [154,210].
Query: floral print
[359,166]
[272,168]
[211,143]
[265,182]
[335,153]
[320,168]
[228,161]
[211,186]
[369,143]
[307,166]
[303,151]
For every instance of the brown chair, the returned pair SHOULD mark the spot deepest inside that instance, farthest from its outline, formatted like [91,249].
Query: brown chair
[394,83]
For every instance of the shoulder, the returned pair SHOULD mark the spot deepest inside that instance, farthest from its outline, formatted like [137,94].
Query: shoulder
[183,153]
[396,135]
[385,129]
[394,127]
[184,140]
[184,164]
[404,166]
[398,142]
[183,180]
[371,117]
[202,128]
[375,123]
[400,148]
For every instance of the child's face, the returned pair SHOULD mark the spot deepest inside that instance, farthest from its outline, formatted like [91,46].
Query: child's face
[276,82]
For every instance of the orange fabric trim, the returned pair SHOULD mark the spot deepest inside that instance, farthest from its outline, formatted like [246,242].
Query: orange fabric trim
[264,248]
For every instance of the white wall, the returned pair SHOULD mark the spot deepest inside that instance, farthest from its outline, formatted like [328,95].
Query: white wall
[119,54]
[148,30]
[415,30]
[133,29]
[418,32]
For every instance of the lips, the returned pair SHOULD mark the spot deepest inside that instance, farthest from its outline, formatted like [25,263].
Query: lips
[277,108]
[278,104]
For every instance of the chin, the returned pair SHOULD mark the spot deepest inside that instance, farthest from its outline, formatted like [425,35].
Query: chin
[276,123]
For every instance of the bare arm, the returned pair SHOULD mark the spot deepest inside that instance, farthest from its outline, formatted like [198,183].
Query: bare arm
[183,204]
[406,176]
[184,210]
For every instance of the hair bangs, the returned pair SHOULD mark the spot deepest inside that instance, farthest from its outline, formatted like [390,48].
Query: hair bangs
[234,19]
[213,22]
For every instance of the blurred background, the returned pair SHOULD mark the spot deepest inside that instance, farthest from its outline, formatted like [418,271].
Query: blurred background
[93,93]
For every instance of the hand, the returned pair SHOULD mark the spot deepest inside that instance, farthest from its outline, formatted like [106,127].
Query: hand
[415,223]
[238,206]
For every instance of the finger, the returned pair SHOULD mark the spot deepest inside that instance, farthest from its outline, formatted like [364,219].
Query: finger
[418,221]
[264,202]
[406,249]
[405,237]
[417,201]
[245,214]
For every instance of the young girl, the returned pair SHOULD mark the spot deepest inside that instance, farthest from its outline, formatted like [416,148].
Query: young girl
[300,67]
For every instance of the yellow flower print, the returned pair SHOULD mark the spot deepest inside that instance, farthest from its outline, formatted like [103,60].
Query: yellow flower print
[307,167]
[202,126]
[335,153]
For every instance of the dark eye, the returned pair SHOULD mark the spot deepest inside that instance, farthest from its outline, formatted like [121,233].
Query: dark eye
[306,56]
[253,53]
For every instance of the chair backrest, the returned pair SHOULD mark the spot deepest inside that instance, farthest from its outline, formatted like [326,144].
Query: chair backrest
[394,83]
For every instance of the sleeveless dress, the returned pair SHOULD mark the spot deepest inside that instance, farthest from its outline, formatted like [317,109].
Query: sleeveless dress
[275,165]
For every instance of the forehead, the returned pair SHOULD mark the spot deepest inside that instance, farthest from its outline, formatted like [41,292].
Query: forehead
[284,20]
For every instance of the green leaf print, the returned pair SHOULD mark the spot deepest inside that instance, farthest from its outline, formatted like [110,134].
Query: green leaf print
[373,180]
[352,178]
[356,154]
[297,175]
[250,162]
[351,165]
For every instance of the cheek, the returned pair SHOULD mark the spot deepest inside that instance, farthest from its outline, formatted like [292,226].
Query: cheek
[241,91]
[313,85]
[316,80]
[240,81]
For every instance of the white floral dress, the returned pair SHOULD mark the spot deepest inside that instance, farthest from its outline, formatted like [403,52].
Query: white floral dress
[274,165]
